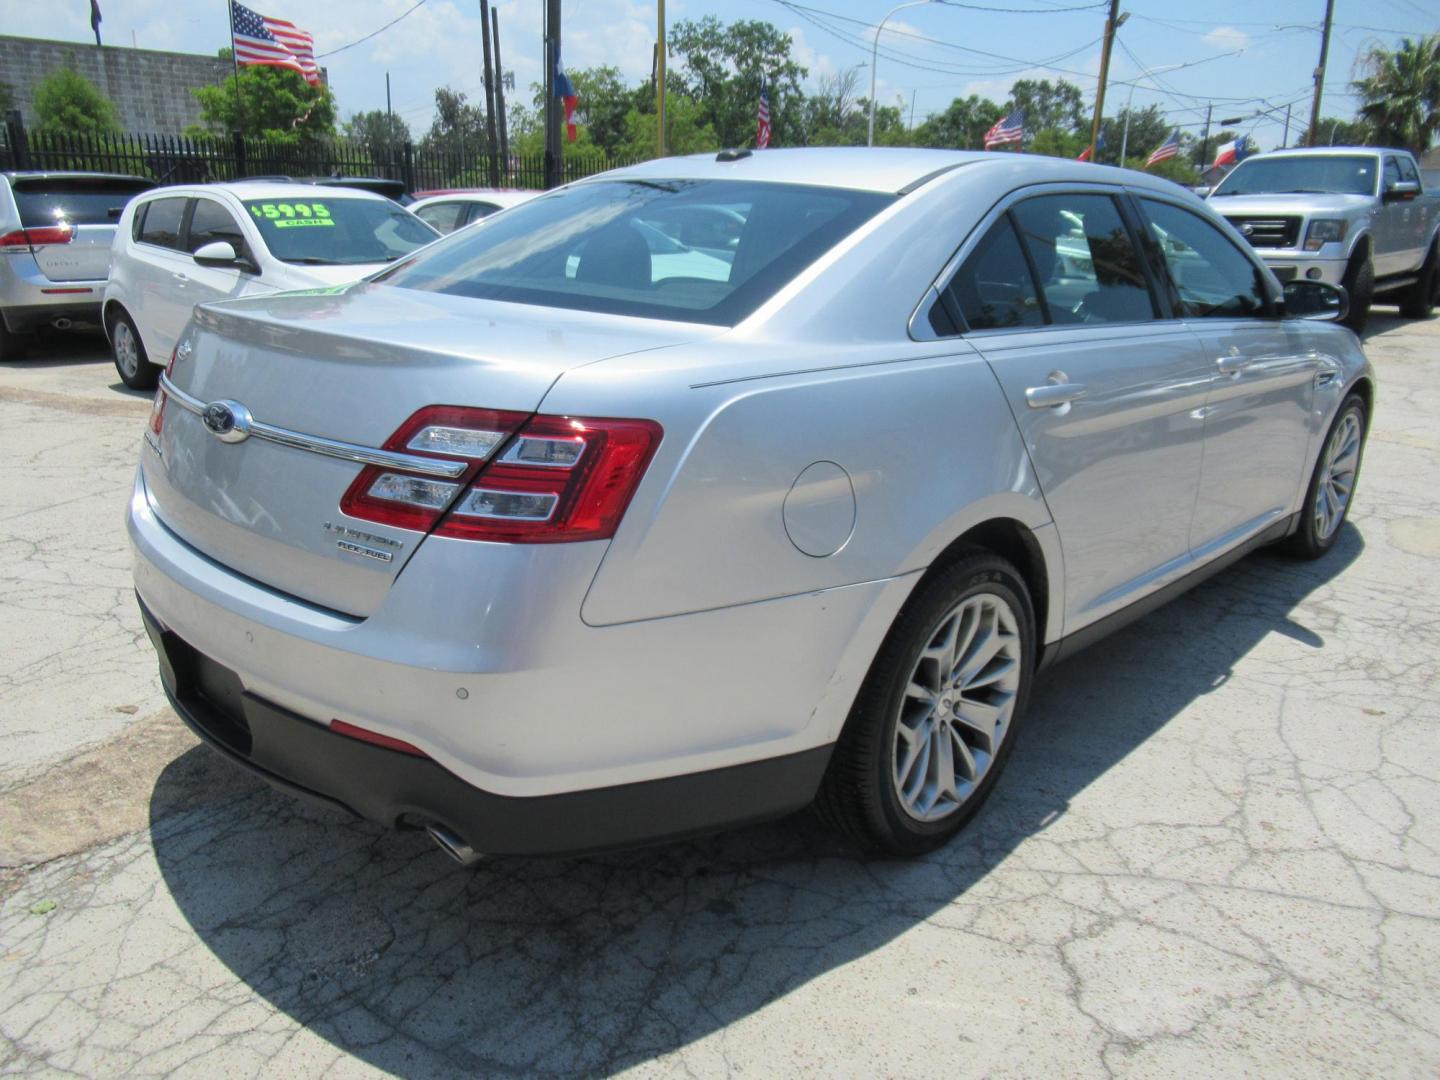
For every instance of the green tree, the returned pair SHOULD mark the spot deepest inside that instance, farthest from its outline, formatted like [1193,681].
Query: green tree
[1400,93]
[272,103]
[962,126]
[686,129]
[1334,131]
[605,104]
[1058,105]
[380,134]
[458,127]
[1149,127]
[721,68]
[67,103]
[1057,142]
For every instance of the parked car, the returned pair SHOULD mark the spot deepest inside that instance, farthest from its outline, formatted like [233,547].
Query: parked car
[1352,215]
[454,209]
[545,561]
[376,185]
[55,234]
[179,246]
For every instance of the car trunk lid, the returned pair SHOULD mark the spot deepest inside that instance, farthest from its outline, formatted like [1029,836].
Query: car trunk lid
[348,365]
[90,206]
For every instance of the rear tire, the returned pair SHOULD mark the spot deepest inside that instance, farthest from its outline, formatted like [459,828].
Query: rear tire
[13,346]
[1418,301]
[128,352]
[935,719]
[1359,282]
[1332,484]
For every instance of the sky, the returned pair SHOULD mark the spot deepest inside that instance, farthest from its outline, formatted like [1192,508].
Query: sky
[1243,56]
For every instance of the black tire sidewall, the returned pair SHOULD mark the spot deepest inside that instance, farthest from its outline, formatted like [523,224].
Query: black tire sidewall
[972,576]
[1359,283]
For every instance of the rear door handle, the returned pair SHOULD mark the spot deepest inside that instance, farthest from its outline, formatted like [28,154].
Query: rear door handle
[1052,395]
[1232,365]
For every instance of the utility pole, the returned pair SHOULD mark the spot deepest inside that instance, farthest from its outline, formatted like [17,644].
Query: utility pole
[660,79]
[552,114]
[1314,133]
[500,89]
[1286,140]
[492,143]
[1204,141]
[1112,21]
[389,127]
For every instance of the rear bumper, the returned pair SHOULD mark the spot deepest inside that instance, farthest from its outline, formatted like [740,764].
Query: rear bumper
[29,299]
[397,789]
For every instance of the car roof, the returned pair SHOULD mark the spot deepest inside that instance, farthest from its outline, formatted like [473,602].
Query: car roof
[893,170]
[62,174]
[1324,151]
[267,189]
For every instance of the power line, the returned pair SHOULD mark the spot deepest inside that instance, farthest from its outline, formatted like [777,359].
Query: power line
[367,37]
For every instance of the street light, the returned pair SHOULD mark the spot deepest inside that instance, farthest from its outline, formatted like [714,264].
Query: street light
[874,58]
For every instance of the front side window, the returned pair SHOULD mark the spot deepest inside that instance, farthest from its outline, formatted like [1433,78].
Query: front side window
[162,222]
[1084,259]
[993,289]
[1392,172]
[212,222]
[336,230]
[1408,171]
[1212,276]
[613,246]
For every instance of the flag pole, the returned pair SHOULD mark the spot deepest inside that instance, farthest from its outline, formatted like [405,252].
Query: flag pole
[235,66]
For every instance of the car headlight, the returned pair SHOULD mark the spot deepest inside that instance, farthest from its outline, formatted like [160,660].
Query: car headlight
[1324,231]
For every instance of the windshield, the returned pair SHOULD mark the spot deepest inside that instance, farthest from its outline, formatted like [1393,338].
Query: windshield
[337,231]
[1327,174]
[79,201]
[707,251]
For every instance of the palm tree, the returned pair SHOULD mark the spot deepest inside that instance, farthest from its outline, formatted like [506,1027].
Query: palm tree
[1400,91]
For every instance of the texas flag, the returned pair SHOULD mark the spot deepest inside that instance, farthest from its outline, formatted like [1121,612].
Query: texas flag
[1232,153]
[1086,155]
[565,91]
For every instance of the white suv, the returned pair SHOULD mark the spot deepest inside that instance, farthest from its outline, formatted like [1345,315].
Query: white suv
[181,246]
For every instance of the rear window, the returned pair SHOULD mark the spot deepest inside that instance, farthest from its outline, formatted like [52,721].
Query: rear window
[332,230]
[94,201]
[706,251]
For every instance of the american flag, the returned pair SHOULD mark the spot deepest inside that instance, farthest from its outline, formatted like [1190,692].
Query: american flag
[1167,149]
[1008,129]
[762,118]
[259,39]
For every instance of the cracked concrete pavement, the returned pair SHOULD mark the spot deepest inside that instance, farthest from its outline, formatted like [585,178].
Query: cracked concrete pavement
[1216,851]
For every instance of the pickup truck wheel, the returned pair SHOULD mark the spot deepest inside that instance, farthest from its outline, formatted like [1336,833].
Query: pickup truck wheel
[1332,485]
[131,363]
[13,346]
[1359,282]
[935,720]
[1418,300]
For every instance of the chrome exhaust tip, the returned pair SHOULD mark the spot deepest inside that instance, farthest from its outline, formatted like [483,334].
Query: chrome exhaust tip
[453,846]
[62,323]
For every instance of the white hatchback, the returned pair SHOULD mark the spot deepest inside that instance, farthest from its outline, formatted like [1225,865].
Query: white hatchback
[180,246]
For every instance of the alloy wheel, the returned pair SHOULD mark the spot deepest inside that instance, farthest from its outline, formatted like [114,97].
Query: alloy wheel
[127,350]
[1337,476]
[957,707]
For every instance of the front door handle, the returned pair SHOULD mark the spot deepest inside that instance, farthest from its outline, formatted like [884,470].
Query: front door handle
[1232,365]
[1053,395]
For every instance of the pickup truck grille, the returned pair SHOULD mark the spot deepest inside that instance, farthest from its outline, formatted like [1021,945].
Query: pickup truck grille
[1268,232]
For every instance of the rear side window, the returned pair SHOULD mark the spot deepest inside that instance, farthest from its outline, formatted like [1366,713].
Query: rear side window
[212,222]
[608,246]
[1212,276]
[993,290]
[79,201]
[1084,258]
[444,216]
[162,222]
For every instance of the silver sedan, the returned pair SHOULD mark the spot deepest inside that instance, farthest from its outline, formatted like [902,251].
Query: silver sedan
[697,491]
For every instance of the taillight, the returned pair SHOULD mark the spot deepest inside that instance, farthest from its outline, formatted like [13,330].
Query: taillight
[157,407]
[26,239]
[556,479]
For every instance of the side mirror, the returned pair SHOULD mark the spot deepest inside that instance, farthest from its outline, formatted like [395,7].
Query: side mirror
[221,253]
[1401,191]
[1318,301]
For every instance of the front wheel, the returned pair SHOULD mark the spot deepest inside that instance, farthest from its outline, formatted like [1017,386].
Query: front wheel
[1332,485]
[935,720]
[131,363]
[1359,283]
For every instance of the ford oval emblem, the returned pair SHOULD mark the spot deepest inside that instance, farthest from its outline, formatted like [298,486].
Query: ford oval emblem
[1247,230]
[228,421]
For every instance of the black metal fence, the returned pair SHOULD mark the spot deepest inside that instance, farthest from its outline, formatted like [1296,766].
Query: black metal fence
[175,159]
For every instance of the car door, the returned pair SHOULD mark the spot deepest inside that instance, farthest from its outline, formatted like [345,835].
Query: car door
[161,303]
[1415,223]
[1261,378]
[211,221]
[1106,394]
[1388,224]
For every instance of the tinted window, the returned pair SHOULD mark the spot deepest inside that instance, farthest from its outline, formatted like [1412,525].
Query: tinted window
[1407,170]
[78,201]
[597,247]
[162,222]
[336,230]
[480,210]
[994,289]
[442,216]
[1084,259]
[1212,276]
[212,222]
[1333,174]
[1392,171]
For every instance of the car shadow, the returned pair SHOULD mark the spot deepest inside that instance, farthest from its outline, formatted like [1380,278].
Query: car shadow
[384,947]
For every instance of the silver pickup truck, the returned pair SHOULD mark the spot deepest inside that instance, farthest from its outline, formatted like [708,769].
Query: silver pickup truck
[1356,216]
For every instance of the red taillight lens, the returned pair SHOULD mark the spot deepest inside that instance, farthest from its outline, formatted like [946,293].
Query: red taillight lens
[25,239]
[556,479]
[354,731]
[562,479]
